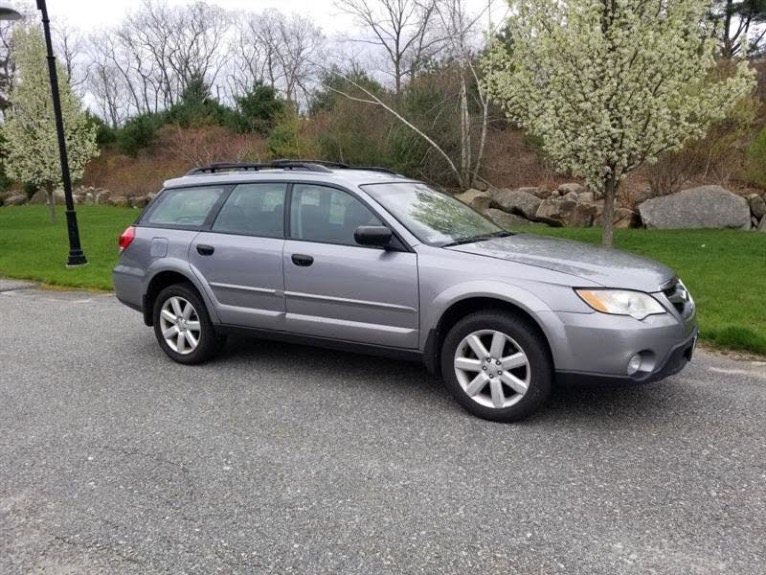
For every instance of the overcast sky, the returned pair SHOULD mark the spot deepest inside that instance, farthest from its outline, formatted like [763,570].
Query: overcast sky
[92,14]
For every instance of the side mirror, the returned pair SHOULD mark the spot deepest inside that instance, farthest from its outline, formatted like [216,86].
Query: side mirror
[373,236]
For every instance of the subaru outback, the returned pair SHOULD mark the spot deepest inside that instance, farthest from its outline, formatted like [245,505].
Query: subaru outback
[366,260]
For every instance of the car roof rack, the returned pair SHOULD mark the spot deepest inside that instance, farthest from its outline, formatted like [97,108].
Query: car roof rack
[376,169]
[256,167]
[340,166]
[284,164]
[323,163]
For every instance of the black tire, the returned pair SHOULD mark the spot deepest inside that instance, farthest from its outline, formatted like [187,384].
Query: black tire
[209,343]
[522,335]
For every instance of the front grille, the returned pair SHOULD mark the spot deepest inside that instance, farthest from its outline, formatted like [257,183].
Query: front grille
[679,297]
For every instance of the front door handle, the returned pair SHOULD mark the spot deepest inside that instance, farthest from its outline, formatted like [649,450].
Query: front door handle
[205,250]
[302,261]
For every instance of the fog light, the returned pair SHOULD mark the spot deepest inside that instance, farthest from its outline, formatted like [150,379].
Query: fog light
[634,364]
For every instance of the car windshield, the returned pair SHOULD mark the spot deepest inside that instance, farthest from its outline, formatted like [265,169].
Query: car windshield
[435,218]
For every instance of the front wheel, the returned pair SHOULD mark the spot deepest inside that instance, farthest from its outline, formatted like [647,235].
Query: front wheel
[183,327]
[497,366]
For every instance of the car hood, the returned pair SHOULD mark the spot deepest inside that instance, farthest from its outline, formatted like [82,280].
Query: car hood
[607,267]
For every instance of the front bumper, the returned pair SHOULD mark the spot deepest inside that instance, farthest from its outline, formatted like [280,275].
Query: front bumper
[676,360]
[598,347]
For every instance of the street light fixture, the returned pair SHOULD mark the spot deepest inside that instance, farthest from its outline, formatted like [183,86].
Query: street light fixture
[76,255]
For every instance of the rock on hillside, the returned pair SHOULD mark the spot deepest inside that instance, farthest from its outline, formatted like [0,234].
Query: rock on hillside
[476,199]
[703,207]
[517,202]
[757,205]
[504,219]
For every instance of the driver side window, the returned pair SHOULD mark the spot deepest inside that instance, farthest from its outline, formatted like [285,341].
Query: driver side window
[327,215]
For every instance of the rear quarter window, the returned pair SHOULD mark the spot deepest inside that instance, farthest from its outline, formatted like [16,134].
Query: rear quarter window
[183,206]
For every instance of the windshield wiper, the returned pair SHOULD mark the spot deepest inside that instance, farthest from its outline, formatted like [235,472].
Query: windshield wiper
[479,238]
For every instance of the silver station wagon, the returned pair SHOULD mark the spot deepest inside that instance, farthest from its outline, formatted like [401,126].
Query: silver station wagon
[366,260]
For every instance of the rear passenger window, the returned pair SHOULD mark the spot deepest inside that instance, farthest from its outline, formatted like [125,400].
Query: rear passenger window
[254,210]
[184,206]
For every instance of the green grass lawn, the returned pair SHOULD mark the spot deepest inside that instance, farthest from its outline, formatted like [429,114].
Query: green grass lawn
[725,270]
[33,248]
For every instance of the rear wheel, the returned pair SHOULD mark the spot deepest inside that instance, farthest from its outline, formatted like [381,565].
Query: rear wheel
[183,327]
[497,366]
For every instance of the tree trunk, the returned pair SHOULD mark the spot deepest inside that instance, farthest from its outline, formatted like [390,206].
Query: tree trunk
[483,141]
[610,192]
[51,204]
[465,133]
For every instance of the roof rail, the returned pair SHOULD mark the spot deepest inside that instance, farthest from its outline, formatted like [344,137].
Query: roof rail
[308,165]
[341,166]
[256,167]
[225,167]
[323,163]
[376,169]
[284,164]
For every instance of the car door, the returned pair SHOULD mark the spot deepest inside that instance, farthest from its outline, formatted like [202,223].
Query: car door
[240,258]
[335,288]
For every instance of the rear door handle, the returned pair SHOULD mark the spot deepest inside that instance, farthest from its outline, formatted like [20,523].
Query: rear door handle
[205,250]
[302,261]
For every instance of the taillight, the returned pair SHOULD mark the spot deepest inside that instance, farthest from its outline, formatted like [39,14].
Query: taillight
[127,237]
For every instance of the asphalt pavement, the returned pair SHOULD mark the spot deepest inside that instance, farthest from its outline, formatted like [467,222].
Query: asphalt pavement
[283,459]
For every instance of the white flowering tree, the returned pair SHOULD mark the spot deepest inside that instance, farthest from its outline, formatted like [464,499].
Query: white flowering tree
[32,152]
[610,84]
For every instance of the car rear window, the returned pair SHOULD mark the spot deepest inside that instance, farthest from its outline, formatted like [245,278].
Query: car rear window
[184,206]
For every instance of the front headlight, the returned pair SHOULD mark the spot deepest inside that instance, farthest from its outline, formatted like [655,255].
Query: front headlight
[621,302]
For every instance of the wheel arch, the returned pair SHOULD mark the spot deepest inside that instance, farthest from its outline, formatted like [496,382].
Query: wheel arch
[159,282]
[463,307]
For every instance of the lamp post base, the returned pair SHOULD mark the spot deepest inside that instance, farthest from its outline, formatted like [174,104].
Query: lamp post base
[76,259]
[76,255]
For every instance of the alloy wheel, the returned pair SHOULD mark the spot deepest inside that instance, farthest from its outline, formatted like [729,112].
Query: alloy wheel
[492,369]
[180,325]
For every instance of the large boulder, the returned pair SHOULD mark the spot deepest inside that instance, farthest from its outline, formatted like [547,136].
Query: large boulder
[119,201]
[139,201]
[504,219]
[762,226]
[703,207]
[571,196]
[476,199]
[582,216]
[555,211]
[624,218]
[535,191]
[15,200]
[637,196]
[517,202]
[102,198]
[39,198]
[543,193]
[565,189]
[586,197]
[757,205]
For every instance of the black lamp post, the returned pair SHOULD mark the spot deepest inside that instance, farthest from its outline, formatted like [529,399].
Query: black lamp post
[76,255]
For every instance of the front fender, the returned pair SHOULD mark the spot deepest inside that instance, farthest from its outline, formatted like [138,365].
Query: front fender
[541,313]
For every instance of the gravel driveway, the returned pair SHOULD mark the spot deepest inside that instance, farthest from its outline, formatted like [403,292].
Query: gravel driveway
[280,459]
